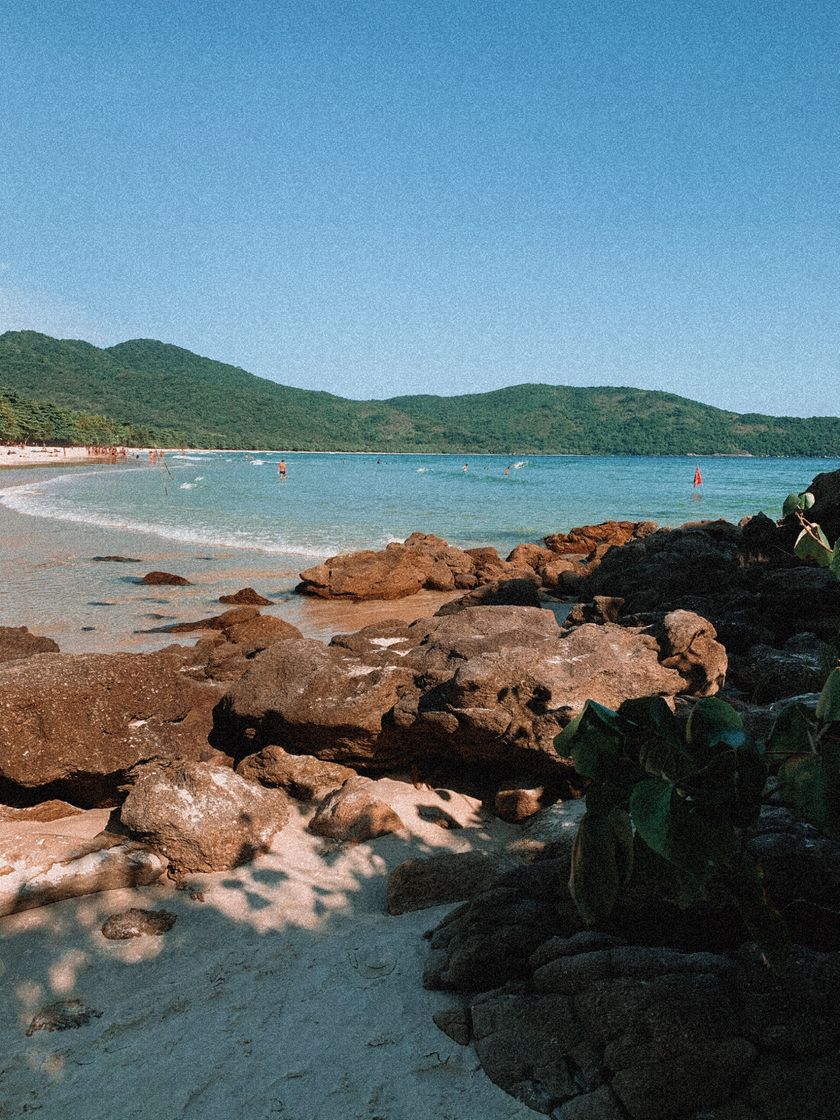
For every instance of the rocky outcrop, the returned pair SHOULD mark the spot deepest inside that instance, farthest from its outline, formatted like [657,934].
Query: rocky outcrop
[73,724]
[744,579]
[311,699]
[486,685]
[422,562]
[582,1024]
[355,813]
[203,817]
[16,642]
[301,775]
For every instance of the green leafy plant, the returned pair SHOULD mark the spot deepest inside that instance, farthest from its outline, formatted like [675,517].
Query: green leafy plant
[684,796]
[806,747]
[812,543]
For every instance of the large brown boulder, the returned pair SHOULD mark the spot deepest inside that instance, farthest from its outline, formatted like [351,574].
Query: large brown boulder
[16,642]
[236,637]
[422,562]
[487,685]
[310,699]
[203,817]
[72,725]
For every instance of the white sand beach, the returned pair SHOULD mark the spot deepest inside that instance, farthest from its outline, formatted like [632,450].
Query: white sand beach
[285,991]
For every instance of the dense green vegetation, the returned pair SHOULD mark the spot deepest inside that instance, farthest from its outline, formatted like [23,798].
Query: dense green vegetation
[168,396]
[31,421]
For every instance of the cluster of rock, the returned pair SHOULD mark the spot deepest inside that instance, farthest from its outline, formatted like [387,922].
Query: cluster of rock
[427,562]
[604,1025]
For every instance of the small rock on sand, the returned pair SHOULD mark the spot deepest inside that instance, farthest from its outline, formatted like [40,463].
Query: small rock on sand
[65,1015]
[135,922]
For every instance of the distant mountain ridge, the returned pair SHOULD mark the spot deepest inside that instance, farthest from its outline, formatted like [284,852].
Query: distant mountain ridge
[163,395]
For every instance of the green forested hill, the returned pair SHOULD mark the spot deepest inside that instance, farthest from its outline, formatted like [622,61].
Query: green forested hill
[169,396]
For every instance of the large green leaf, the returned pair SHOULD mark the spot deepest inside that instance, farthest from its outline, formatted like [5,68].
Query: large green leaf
[811,785]
[602,861]
[834,563]
[592,740]
[791,503]
[707,720]
[812,544]
[678,829]
[828,706]
[652,735]
[730,786]
[792,733]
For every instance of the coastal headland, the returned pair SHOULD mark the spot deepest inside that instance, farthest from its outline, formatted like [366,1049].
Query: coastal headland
[228,849]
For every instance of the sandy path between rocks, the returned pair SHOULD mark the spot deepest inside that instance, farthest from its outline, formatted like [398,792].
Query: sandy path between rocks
[287,993]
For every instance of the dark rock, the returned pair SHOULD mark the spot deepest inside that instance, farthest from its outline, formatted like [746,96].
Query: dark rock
[355,813]
[455,1022]
[600,1104]
[203,817]
[16,642]
[138,923]
[65,1015]
[603,608]
[520,1041]
[155,578]
[246,596]
[74,724]
[657,1090]
[117,559]
[768,674]
[782,1089]
[499,593]
[826,508]
[300,775]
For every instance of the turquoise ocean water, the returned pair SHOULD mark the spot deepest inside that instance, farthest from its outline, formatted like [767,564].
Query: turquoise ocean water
[226,520]
[331,503]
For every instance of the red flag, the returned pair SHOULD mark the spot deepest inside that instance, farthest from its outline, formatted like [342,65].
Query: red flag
[698,478]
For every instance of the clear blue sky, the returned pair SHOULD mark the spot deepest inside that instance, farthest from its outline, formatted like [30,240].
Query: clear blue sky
[404,196]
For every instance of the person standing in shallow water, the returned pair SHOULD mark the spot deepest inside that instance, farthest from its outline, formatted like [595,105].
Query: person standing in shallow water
[466,467]
[281,469]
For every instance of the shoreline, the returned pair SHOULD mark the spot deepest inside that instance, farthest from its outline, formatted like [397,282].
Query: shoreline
[52,455]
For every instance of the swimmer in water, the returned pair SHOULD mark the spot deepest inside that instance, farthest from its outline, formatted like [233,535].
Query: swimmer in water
[466,467]
[281,469]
